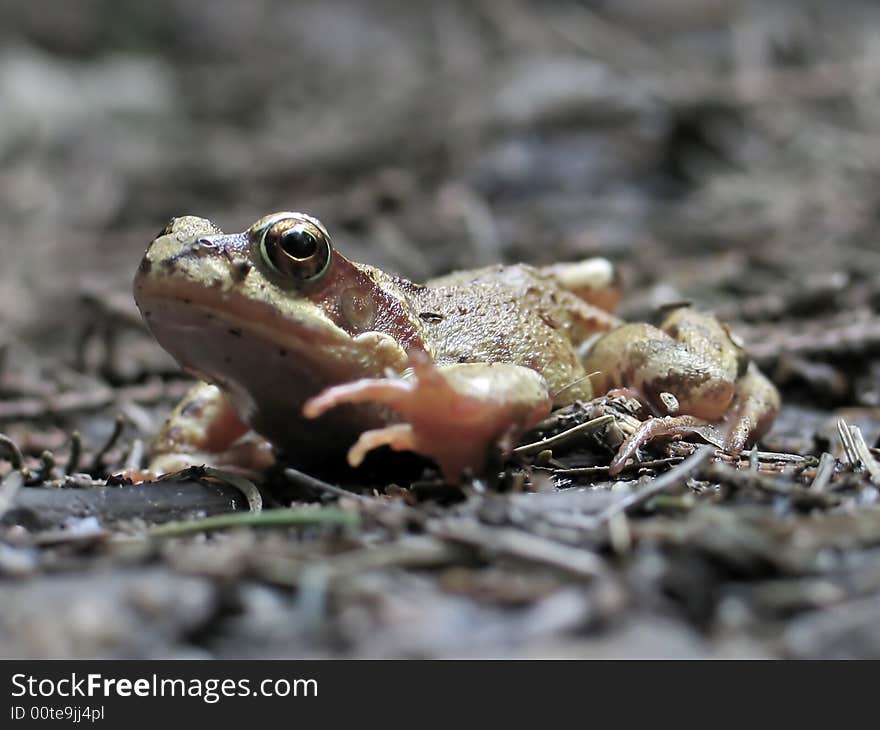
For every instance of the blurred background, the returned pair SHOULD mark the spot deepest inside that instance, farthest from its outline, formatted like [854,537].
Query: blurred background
[722,151]
[429,136]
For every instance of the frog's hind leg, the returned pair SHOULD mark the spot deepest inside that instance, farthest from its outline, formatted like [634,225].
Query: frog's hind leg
[755,406]
[691,372]
[690,357]
[454,414]
[204,429]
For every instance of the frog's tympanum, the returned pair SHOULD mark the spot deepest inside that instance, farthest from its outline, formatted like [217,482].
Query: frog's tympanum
[321,356]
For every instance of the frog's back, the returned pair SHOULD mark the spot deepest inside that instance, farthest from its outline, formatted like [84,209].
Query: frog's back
[511,314]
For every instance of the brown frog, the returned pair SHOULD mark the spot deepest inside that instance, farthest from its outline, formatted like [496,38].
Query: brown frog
[322,356]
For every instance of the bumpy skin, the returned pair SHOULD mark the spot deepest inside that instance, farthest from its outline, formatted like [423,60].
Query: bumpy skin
[352,358]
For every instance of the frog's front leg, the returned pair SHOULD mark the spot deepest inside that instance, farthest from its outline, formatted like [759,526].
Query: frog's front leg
[692,358]
[453,414]
[204,429]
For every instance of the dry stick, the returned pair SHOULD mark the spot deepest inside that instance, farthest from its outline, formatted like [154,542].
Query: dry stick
[776,456]
[47,464]
[118,426]
[267,518]
[824,472]
[75,453]
[245,486]
[744,479]
[9,487]
[633,466]
[564,437]
[753,458]
[847,440]
[864,454]
[13,452]
[415,551]
[520,545]
[152,502]
[305,480]
[135,456]
[373,506]
[665,481]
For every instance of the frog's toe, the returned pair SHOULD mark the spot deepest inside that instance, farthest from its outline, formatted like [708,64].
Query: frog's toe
[754,409]
[398,436]
[453,414]
[455,454]
[251,456]
[653,428]
[393,392]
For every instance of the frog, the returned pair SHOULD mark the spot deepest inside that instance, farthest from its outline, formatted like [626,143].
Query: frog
[301,351]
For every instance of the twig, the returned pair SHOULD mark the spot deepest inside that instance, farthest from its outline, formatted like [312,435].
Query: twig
[75,453]
[415,551]
[634,466]
[823,473]
[564,437]
[846,440]
[47,464]
[743,478]
[118,426]
[266,518]
[9,487]
[151,501]
[305,480]
[135,456]
[671,478]
[777,456]
[245,486]
[12,451]
[753,459]
[518,544]
[864,454]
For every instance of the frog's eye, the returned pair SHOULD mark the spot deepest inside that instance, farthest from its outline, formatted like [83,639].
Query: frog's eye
[297,249]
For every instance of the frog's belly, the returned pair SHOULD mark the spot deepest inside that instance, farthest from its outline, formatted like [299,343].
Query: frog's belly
[308,442]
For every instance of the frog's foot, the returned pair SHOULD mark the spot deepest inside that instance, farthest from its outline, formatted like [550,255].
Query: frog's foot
[204,429]
[653,428]
[453,414]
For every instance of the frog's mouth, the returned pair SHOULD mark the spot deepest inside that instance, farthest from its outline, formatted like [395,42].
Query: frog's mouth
[197,326]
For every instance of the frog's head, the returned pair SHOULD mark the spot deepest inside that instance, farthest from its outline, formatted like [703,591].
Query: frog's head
[274,314]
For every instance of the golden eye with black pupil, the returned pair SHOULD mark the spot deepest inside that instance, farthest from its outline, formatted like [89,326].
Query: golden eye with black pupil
[296,249]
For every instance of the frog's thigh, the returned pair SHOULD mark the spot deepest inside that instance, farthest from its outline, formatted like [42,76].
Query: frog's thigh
[593,280]
[205,429]
[652,362]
